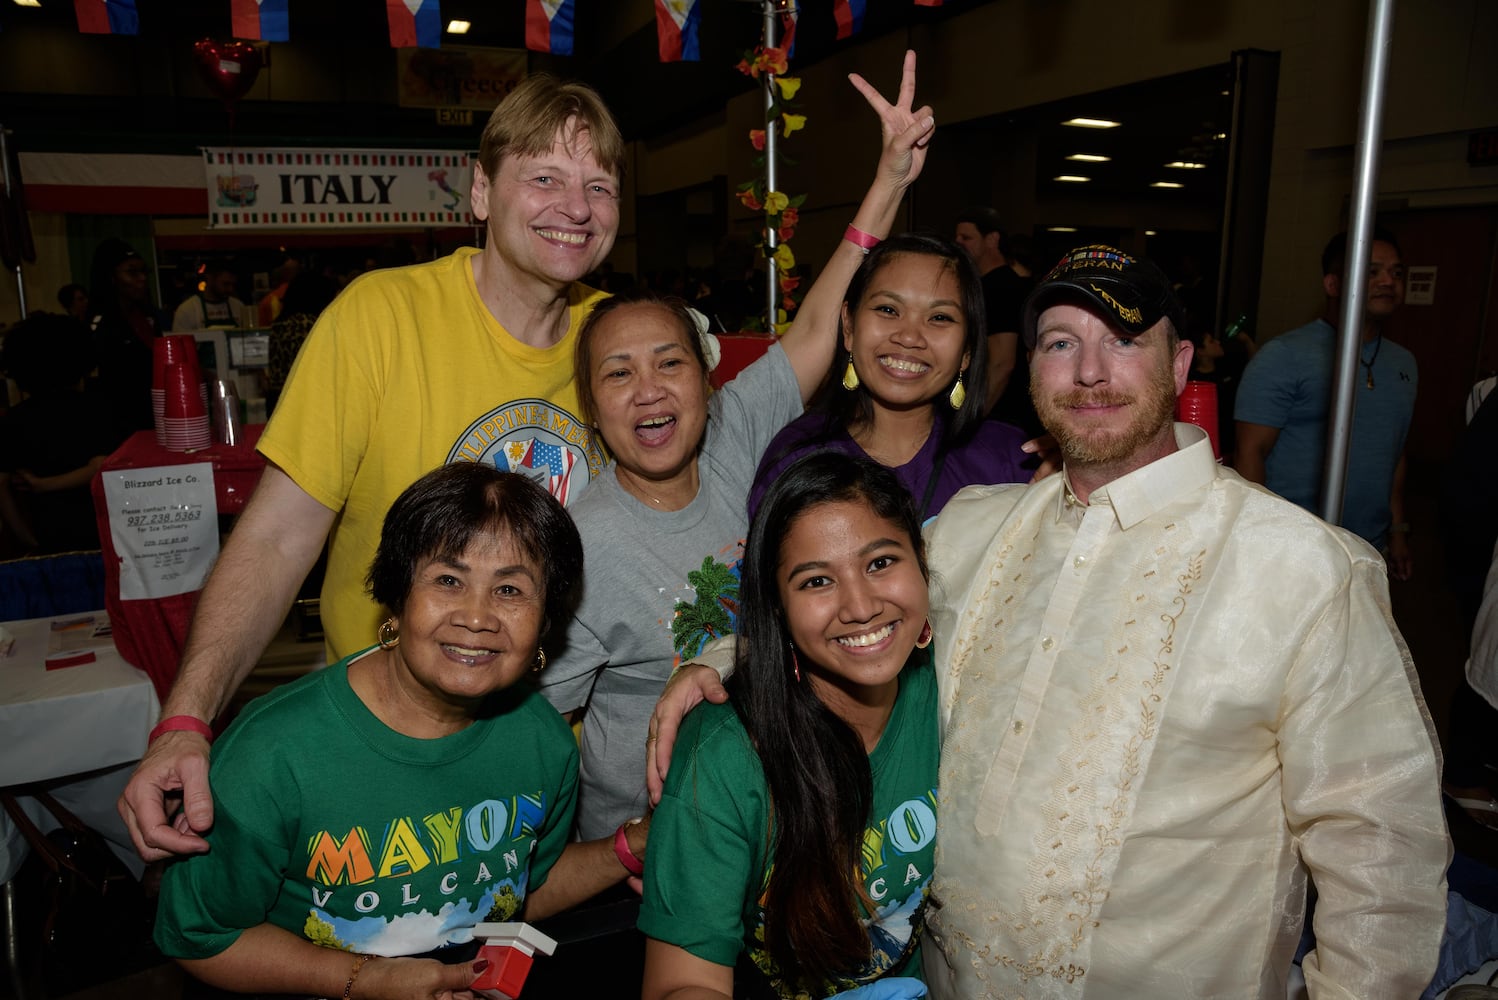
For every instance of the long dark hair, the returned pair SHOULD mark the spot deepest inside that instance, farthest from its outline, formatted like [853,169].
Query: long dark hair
[844,408]
[816,766]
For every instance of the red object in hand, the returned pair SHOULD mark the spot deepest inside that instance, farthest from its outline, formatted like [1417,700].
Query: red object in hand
[1197,405]
[508,967]
[507,952]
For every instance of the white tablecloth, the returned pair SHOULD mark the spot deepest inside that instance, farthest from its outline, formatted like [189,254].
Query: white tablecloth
[71,720]
[79,729]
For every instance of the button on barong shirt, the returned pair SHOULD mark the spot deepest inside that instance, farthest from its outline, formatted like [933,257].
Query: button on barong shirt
[1160,711]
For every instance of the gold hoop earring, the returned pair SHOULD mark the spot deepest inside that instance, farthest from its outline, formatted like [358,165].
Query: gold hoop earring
[390,633]
[795,663]
[850,376]
[924,639]
[540,661]
[958,395]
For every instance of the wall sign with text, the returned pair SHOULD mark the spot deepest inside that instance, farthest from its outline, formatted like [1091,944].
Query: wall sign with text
[457,76]
[1420,285]
[164,524]
[328,188]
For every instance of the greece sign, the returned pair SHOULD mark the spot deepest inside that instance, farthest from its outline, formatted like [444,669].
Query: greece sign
[337,188]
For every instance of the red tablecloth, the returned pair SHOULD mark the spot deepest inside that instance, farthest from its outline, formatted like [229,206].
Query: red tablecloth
[150,633]
[739,349]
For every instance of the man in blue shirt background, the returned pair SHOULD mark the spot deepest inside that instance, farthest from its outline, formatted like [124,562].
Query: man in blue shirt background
[1285,396]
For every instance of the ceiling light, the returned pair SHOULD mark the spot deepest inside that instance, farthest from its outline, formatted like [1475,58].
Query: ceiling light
[1186,165]
[1150,232]
[28,3]
[1220,136]
[1089,158]
[1167,184]
[1073,178]
[1225,93]
[456,27]
[1060,229]
[1091,123]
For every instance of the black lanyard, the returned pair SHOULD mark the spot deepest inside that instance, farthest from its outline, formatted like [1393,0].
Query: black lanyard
[941,461]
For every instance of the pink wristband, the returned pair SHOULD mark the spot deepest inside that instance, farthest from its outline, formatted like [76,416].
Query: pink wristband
[864,241]
[181,723]
[626,857]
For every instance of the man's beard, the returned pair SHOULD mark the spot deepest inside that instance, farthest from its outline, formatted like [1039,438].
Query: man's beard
[1094,441]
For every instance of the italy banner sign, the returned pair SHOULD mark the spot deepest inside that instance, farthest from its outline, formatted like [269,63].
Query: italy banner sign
[292,188]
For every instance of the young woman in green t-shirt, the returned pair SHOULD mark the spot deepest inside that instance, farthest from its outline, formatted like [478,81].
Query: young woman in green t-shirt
[798,821]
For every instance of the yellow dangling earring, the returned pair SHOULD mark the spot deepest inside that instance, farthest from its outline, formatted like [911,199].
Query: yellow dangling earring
[958,395]
[850,376]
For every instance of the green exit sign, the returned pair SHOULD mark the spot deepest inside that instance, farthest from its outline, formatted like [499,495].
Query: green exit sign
[454,116]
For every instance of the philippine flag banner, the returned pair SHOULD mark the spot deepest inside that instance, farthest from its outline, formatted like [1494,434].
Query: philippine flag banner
[107,17]
[548,25]
[849,16]
[788,31]
[677,24]
[414,24]
[263,20]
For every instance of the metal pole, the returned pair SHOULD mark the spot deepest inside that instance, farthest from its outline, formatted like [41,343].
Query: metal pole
[1359,250]
[1229,202]
[10,918]
[10,192]
[772,145]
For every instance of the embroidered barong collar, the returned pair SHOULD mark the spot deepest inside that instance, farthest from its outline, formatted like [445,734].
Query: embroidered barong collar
[1145,491]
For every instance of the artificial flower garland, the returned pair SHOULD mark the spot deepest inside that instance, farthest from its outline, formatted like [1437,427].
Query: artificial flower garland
[782,211]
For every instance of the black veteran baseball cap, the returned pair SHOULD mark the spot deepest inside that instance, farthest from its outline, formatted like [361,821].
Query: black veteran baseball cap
[1130,292]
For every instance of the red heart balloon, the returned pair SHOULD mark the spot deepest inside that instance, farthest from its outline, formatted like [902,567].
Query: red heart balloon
[229,68]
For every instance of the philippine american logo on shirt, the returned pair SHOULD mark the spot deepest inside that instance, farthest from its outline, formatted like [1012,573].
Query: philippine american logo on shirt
[535,438]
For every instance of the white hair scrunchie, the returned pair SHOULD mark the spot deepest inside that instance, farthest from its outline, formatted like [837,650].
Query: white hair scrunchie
[711,349]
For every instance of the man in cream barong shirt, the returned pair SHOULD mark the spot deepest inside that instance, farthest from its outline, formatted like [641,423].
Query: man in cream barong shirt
[1170,699]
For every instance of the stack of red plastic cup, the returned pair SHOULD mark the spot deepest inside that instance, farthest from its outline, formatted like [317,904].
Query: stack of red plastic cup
[1197,405]
[173,349]
[184,420]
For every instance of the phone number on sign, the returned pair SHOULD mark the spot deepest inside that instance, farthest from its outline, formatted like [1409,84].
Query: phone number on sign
[169,517]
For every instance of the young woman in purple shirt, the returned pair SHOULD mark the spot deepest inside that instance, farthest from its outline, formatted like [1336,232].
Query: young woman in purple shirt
[908,389]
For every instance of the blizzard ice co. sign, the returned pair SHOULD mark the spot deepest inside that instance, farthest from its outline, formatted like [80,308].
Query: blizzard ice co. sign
[312,188]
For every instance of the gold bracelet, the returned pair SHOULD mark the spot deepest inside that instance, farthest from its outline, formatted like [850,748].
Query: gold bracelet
[348,987]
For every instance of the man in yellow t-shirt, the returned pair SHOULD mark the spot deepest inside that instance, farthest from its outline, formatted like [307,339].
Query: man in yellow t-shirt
[468,358]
